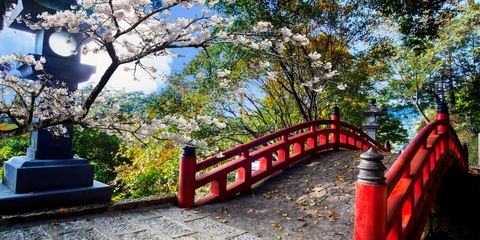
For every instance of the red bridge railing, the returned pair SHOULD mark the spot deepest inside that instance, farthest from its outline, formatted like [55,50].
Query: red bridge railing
[275,152]
[399,207]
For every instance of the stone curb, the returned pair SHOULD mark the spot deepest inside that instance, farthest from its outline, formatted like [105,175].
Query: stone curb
[87,209]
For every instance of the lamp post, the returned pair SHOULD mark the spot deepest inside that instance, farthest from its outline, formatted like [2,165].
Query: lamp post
[371,113]
[49,168]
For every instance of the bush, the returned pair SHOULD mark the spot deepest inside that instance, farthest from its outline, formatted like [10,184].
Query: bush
[101,150]
[153,171]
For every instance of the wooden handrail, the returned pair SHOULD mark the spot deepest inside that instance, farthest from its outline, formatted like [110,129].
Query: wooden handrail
[275,152]
[411,183]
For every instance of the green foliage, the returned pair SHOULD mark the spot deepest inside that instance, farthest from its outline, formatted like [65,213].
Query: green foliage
[334,29]
[101,150]
[468,105]
[5,5]
[391,129]
[11,147]
[153,170]
[473,151]
[419,21]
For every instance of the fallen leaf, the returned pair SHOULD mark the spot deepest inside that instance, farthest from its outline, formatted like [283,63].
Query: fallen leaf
[285,215]
[218,217]
[54,223]
[278,237]
[316,222]
[338,233]
[62,210]
[301,230]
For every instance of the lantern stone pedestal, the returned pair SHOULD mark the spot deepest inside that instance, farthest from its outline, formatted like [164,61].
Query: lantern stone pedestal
[49,176]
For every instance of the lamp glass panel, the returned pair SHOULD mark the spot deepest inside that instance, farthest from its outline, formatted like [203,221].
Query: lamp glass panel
[371,119]
[62,43]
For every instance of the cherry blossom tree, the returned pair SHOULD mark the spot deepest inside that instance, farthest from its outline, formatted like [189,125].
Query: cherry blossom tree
[128,31]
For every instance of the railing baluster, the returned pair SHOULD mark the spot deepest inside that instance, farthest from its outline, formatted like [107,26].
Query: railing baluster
[265,163]
[297,148]
[219,186]
[396,230]
[186,194]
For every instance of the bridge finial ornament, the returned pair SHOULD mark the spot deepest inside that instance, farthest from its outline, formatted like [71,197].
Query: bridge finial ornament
[442,107]
[188,151]
[336,111]
[371,168]
[371,198]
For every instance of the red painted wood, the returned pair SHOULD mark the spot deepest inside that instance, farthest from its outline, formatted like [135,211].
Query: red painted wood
[186,182]
[415,176]
[370,212]
[275,152]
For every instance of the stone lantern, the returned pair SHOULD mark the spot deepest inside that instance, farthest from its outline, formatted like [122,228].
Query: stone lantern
[371,113]
[49,170]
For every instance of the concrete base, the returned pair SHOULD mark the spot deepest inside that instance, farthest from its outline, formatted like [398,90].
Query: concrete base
[24,175]
[11,203]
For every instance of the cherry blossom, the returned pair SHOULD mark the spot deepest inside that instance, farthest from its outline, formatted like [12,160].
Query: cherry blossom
[129,31]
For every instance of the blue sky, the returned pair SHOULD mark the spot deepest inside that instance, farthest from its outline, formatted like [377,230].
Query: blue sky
[14,41]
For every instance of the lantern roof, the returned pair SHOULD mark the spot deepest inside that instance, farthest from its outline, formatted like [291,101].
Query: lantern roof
[34,8]
[372,109]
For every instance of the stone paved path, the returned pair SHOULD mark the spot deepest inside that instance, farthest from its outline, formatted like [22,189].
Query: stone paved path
[159,222]
[314,199]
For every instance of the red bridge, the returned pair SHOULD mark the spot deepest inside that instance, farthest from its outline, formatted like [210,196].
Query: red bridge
[394,205]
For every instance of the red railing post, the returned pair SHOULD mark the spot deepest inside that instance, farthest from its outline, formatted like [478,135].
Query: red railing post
[387,146]
[371,198]
[336,117]
[312,142]
[442,114]
[186,182]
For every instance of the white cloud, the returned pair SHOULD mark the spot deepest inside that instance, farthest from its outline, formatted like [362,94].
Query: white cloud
[125,79]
